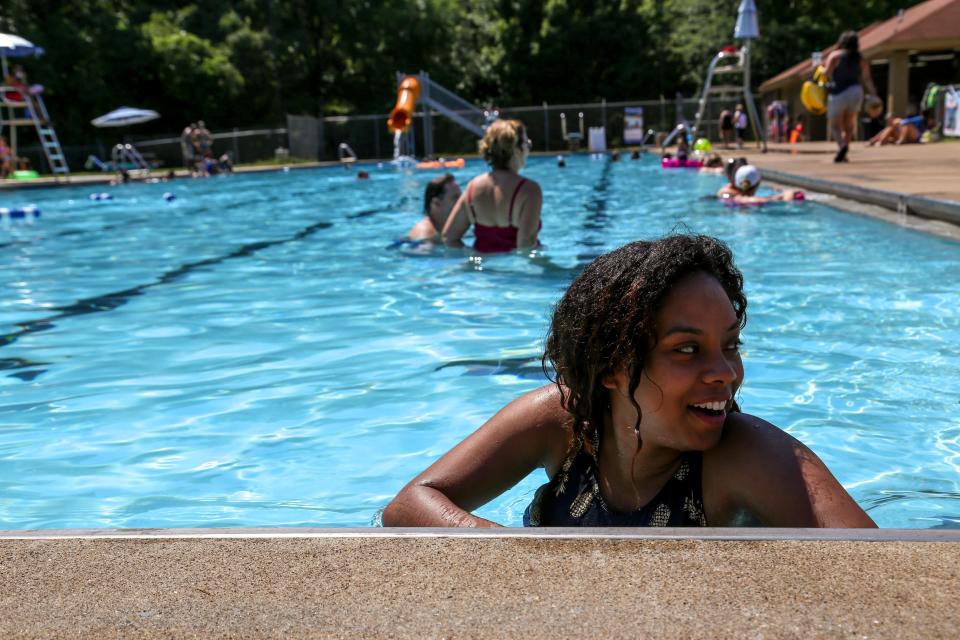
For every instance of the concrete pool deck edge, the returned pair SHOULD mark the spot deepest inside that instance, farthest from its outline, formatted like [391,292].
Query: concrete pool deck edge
[569,533]
[904,204]
[430,583]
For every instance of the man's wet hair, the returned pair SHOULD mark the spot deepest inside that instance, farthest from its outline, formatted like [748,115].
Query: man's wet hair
[435,190]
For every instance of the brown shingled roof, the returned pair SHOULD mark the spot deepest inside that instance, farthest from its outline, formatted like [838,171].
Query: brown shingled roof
[930,25]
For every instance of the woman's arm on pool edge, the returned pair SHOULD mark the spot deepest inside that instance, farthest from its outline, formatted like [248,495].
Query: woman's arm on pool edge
[760,469]
[526,434]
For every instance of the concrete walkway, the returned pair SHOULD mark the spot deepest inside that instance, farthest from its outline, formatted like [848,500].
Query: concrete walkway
[600,584]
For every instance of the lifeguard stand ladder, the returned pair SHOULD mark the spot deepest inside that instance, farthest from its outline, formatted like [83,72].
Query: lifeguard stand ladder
[734,63]
[34,113]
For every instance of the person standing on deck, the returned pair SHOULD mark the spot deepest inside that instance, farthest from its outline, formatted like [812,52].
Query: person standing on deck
[740,123]
[186,146]
[847,71]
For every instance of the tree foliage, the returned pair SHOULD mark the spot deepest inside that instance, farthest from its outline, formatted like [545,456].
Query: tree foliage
[248,62]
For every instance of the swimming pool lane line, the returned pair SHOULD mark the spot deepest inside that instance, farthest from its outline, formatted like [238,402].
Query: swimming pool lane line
[115,299]
[519,367]
[596,205]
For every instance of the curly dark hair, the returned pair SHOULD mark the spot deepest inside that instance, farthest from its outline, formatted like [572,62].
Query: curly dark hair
[605,321]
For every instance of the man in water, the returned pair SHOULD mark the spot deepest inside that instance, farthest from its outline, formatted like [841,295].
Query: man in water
[438,200]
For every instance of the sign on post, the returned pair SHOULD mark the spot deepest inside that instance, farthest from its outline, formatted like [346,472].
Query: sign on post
[633,125]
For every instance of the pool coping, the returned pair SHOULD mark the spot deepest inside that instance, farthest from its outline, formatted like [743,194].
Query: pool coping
[442,583]
[552,533]
[904,204]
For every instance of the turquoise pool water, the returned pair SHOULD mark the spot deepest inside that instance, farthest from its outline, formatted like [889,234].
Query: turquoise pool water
[255,353]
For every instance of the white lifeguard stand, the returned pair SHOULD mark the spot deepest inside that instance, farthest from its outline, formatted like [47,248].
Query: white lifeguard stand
[734,63]
[23,108]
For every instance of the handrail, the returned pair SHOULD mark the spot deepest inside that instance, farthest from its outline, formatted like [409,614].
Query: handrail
[346,153]
[128,153]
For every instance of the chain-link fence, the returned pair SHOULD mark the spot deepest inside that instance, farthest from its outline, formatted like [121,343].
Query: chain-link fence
[368,136]
[311,138]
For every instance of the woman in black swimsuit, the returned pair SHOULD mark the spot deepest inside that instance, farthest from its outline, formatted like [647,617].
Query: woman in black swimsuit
[641,427]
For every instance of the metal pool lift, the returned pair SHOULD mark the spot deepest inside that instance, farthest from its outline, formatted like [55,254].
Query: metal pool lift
[20,106]
[732,61]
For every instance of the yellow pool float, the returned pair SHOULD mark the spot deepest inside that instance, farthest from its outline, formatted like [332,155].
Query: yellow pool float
[813,94]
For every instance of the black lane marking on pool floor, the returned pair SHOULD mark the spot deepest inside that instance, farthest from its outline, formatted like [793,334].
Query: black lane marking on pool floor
[110,301]
[532,368]
[597,219]
[529,368]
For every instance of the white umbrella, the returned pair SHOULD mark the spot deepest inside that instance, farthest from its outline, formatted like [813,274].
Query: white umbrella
[12,46]
[123,116]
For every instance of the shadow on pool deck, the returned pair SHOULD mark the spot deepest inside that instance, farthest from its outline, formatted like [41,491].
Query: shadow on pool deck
[401,583]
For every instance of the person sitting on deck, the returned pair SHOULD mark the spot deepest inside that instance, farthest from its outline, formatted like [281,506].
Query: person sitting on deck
[742,189]
[904,130]
[439,198]
[640,426]
[503,207]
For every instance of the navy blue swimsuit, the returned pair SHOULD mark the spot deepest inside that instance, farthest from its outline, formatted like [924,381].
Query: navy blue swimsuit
[573,499]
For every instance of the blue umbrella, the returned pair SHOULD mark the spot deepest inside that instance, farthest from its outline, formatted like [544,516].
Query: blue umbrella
[123,116]
[12,46]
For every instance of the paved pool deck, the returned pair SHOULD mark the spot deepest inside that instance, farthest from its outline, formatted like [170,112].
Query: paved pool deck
[930,171]
[394,583]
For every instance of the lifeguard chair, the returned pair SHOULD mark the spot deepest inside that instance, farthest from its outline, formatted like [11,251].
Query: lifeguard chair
[732,62]
[22,107]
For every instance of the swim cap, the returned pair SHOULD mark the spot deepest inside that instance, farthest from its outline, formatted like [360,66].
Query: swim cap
[747,177]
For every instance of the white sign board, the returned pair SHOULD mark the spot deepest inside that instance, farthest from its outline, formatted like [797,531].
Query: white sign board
[597,137]
[951,113]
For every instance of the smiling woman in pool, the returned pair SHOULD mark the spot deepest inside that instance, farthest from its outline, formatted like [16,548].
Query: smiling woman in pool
[641,427]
